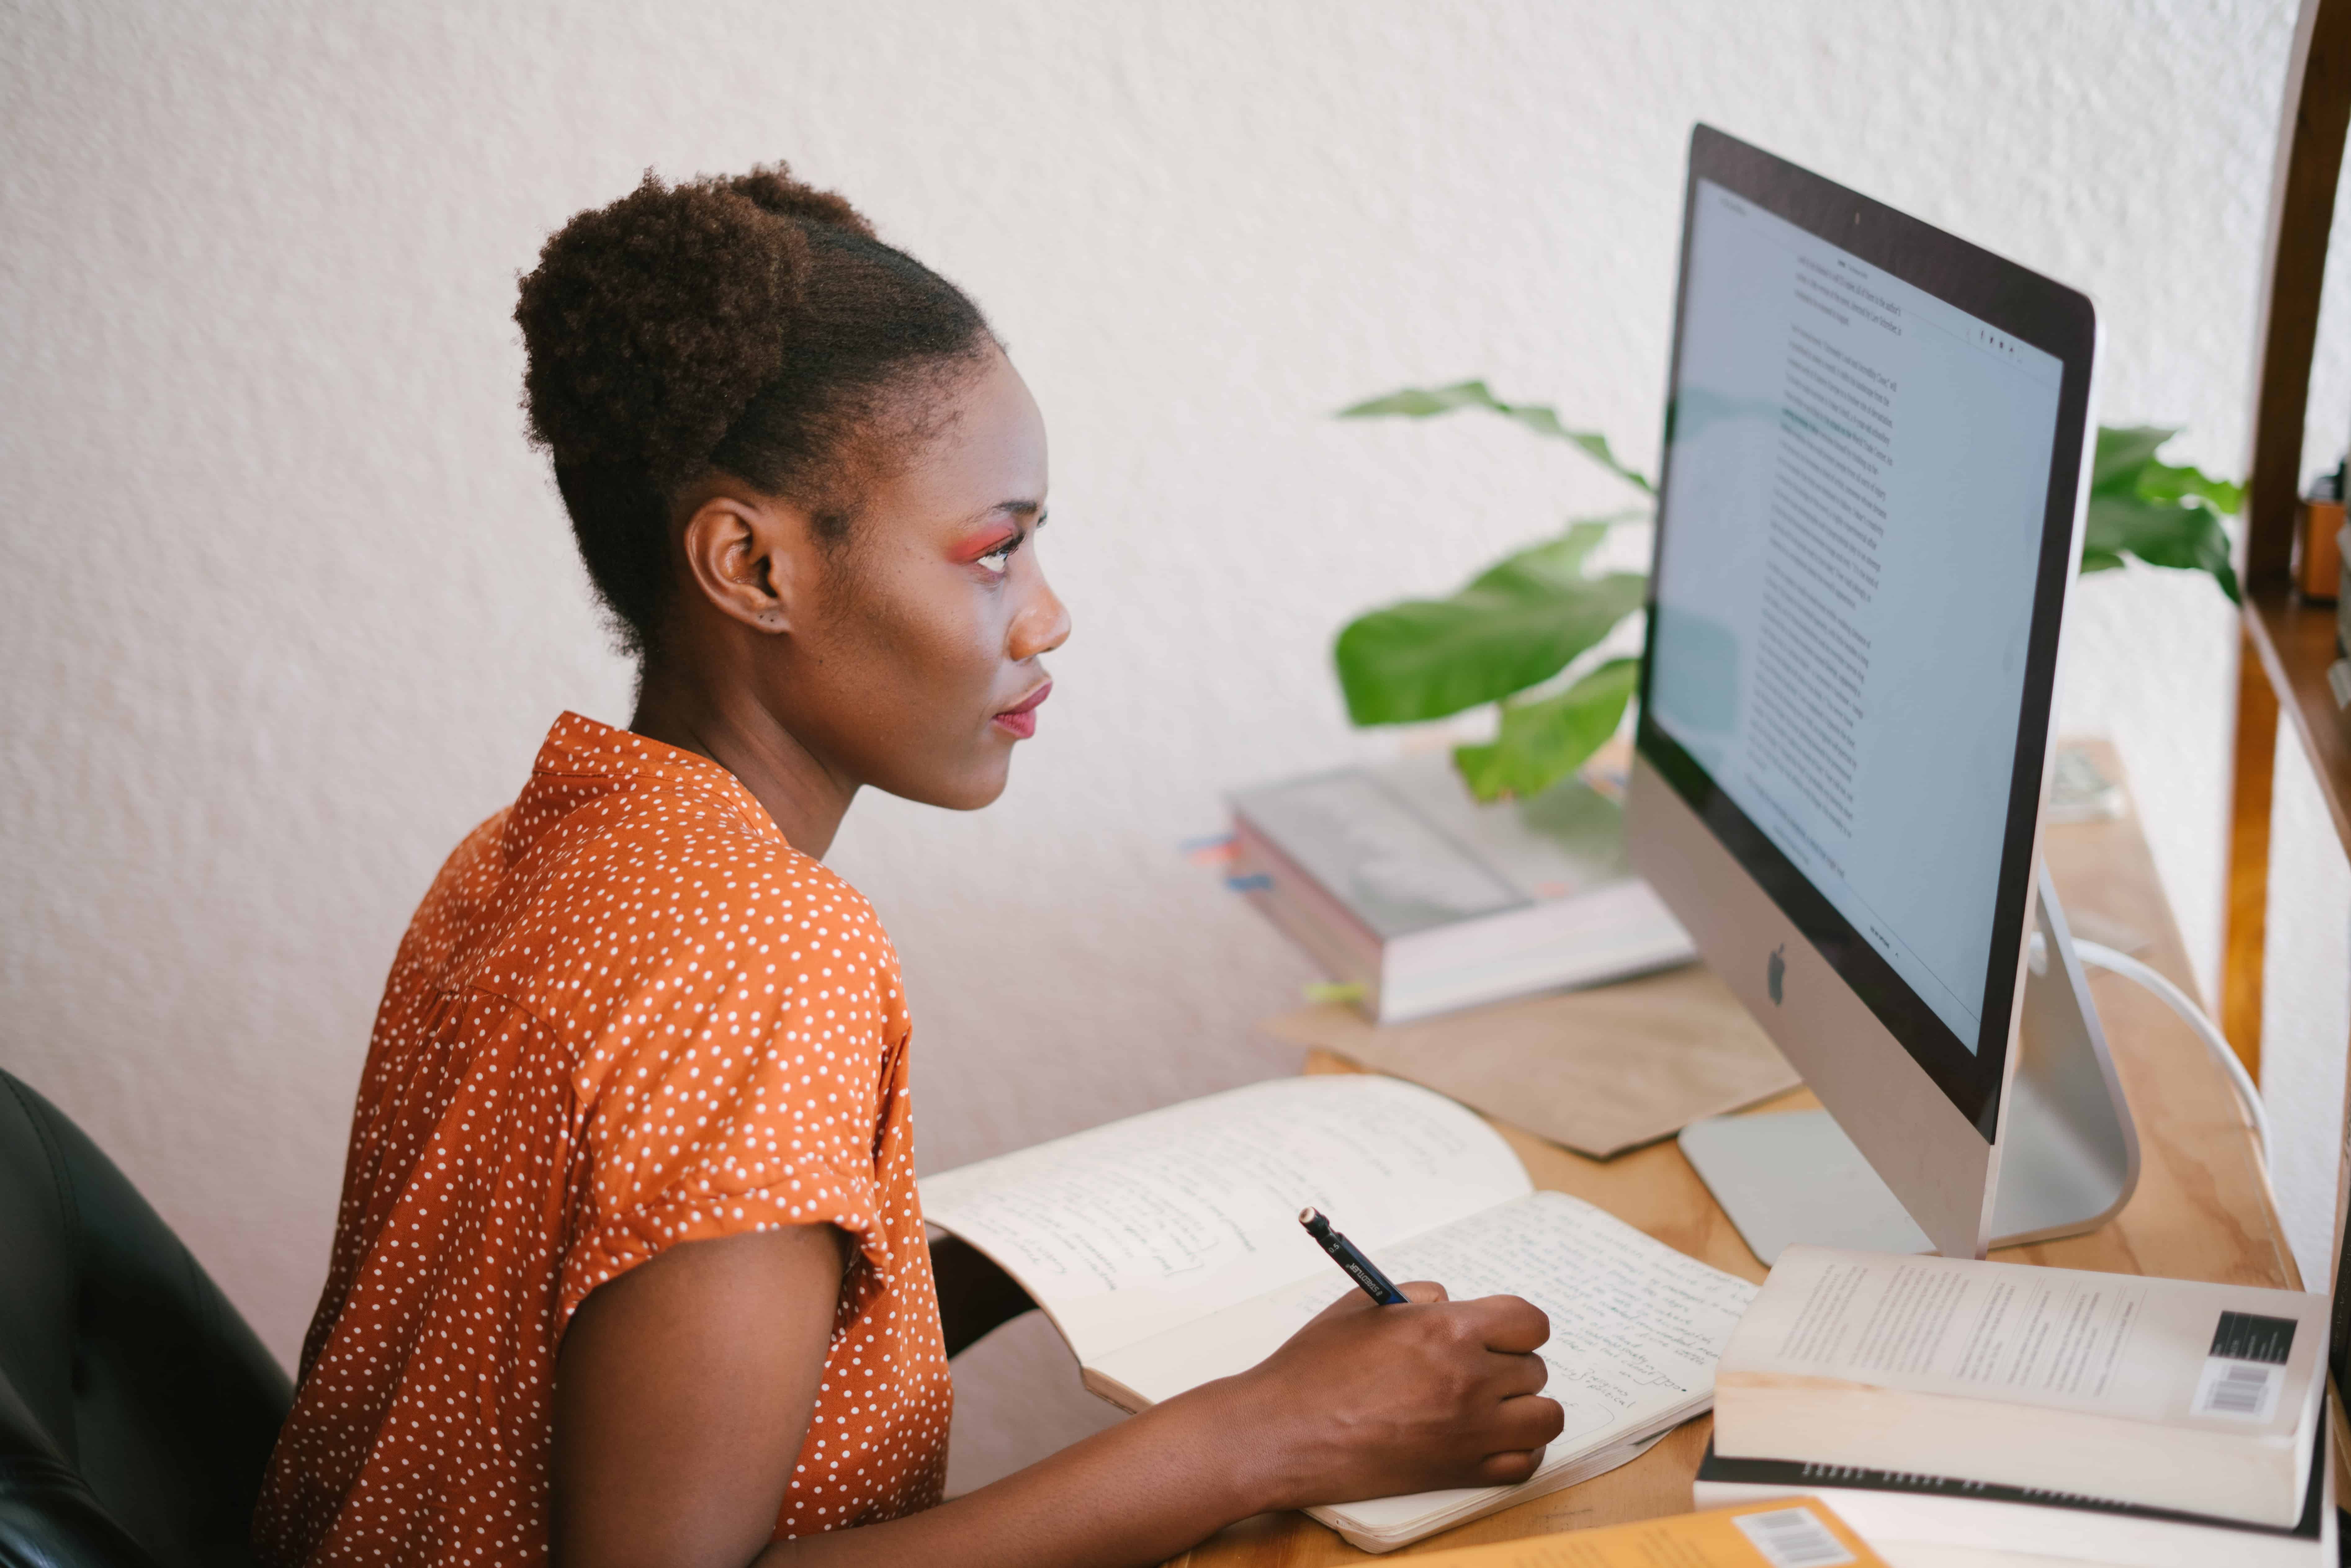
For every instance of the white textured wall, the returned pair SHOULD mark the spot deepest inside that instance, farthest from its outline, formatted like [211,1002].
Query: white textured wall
[2306,1010]
[288,601]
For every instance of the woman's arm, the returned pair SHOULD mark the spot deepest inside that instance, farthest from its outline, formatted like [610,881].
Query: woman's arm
[685,1387]
[682,1394]
[976,1297]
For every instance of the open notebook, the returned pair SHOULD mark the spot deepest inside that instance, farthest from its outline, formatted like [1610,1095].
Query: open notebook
[1167,1250]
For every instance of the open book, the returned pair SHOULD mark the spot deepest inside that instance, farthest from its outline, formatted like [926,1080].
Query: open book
[1167,1250]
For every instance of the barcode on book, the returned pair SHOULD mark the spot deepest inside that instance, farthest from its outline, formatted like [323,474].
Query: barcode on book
[1793,1538]
[2241,1390]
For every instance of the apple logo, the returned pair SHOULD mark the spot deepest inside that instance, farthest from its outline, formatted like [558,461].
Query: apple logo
[1775,972]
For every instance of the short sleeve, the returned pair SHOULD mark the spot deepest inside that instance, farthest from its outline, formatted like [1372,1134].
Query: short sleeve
[741,1090]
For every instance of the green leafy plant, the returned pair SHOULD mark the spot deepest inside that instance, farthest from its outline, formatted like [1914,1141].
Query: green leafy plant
[1515,633]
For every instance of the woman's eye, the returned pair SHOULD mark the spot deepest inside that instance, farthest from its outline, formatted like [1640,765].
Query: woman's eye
[996,561]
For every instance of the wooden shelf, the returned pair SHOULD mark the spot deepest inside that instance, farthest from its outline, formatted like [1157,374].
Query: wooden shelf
[2297,643]
[2285,647]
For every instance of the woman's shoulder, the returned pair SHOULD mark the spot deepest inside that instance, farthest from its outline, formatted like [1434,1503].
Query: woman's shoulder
[673,914]
[744,976]
[619,834]
[717,875]
[457,907]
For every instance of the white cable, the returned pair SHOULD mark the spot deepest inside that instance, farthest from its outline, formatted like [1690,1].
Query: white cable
[2104,958]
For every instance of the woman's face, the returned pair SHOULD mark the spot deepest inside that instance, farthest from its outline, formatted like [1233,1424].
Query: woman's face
[920,668]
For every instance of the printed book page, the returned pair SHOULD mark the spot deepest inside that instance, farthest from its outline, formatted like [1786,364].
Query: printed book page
[2234,1357]
[1635,1327]
[1128,1230]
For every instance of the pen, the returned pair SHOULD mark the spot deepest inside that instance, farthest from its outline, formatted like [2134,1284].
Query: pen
[1350,1257]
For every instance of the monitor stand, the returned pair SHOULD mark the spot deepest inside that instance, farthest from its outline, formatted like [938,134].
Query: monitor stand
[2068,1156]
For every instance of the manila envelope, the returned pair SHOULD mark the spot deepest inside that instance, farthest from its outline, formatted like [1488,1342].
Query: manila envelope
[1600,1070]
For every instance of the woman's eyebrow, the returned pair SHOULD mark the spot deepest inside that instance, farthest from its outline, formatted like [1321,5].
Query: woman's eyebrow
[1013,513]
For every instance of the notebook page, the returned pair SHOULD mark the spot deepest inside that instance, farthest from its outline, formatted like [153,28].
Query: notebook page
[1125,1231]
[1636,1328]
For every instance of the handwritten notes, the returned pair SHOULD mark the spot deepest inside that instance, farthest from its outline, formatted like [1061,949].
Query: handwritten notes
[1635,1327]
[1635,1331]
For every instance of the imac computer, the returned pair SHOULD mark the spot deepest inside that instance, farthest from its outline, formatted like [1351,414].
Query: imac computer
[1869,518]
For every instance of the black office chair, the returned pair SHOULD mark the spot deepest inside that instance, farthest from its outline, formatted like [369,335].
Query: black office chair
[136,1408]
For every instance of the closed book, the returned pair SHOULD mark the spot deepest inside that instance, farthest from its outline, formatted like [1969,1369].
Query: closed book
[2170,1394]
[1893,1511]
[1399,881]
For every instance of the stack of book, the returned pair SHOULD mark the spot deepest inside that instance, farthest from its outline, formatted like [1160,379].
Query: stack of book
[1959,1407]
[1399,883]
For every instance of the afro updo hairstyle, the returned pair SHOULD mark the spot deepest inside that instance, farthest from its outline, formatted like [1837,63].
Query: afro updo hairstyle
[746,325]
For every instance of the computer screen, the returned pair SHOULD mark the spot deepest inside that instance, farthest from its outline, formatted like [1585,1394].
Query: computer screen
[1851,564]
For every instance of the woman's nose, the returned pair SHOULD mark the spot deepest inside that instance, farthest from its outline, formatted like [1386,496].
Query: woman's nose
[1043,625]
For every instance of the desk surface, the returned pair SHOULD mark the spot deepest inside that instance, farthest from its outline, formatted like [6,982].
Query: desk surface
[2202,1209]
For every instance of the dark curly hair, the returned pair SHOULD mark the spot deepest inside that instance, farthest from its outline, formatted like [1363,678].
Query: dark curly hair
[747,325]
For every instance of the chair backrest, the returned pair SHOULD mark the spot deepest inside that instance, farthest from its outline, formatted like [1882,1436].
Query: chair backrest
[137,1409]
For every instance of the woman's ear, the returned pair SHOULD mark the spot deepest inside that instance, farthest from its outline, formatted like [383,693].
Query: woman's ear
[751,557]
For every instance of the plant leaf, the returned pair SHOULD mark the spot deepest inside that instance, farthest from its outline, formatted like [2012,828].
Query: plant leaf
[2164,481]
[1543,741]
[2126,465]
[1519,622]
[2160,533]
[1553,563]
[1423,403]
[2122,452]
[2166,514]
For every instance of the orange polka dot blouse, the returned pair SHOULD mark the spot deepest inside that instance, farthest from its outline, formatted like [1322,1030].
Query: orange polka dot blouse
[627,1015]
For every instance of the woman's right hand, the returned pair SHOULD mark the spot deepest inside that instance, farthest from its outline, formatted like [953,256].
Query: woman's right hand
[1371,1401]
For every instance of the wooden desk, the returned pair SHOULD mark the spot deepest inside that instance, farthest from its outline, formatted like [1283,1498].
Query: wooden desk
[2202,1210]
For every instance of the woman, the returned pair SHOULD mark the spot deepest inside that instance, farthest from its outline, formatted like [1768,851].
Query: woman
[629,1267]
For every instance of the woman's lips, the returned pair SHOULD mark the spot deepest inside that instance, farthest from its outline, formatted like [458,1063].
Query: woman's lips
[1020,720]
